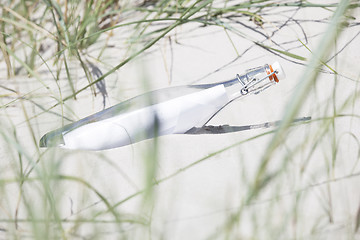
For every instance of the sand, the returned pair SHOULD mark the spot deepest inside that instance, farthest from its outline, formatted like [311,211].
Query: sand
[315,191]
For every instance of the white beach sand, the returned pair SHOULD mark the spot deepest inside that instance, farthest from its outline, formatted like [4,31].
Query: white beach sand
[320,202]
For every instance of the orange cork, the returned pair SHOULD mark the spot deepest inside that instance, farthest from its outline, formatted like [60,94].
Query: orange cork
[274,75]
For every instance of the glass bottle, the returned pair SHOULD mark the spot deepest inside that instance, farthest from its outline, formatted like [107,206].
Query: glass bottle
[172,110]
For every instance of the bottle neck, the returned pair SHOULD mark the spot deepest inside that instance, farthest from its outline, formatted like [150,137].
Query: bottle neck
[252,82]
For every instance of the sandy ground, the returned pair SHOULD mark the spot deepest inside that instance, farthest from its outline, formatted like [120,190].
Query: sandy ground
[321,202]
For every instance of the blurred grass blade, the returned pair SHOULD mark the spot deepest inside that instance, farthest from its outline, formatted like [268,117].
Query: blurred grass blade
[324,63]
[306,82]
[6,55]
[357,220]
[289,54]
[69,78]
[28,24]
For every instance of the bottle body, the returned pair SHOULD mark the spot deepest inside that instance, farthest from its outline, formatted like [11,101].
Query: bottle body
[169,117]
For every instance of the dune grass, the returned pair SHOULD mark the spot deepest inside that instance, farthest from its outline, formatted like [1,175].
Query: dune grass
[42,39]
